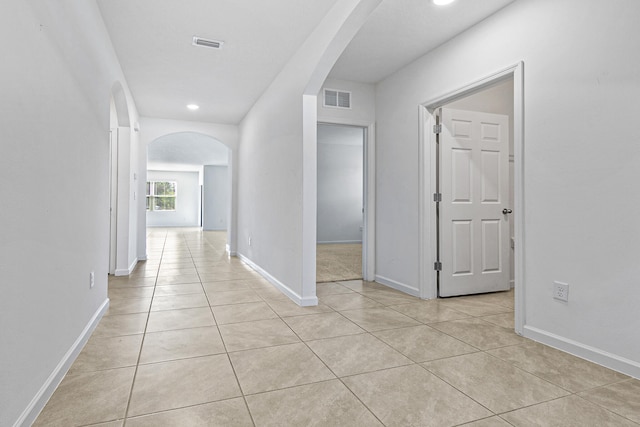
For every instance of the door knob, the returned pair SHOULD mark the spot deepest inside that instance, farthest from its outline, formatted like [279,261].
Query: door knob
[506,211]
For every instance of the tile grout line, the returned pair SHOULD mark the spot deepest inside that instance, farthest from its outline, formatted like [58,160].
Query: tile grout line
[457,389]
[233,369]
[332,310]
[420,364]
[282,319]
[489,354]
[332,372]
[135,373]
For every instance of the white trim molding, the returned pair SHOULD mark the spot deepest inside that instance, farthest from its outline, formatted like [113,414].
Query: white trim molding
[41,398]
[229,251]
[369,232]
[428,179]
[427,211]
[592,354]
[411,290]
[303,302]
[128,271]
[369,181]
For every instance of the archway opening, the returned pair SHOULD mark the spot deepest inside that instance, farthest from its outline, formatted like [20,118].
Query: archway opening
[188,182]
[119,152]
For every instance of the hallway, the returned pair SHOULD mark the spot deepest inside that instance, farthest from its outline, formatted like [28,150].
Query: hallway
[193,338]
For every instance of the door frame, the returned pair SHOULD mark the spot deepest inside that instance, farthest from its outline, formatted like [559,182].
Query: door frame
[428,180]
[369,194]
[113,199]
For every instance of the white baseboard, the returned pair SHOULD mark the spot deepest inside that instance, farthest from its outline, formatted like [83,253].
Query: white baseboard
[229,252]
[126,272]
[41,398]
[398,286]
[303,302]
[175,226]
[592,354]
[133,266]
[337,242]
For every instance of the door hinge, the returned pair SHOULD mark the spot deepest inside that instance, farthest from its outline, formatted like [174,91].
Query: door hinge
[437,266]
[437,197]
[437,129]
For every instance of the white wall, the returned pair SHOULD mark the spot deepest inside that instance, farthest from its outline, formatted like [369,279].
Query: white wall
[125,142]
[152,129]
[127,195]
[340,184]
[133,195]
[58,68]
[277,182]
[216,197]
[187,213]
[581,99]
[363,103]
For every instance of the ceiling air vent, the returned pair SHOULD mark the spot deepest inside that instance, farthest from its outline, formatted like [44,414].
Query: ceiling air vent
[214,44]
[337,98]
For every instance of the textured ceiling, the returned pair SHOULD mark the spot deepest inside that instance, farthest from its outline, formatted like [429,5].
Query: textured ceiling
[400,31]
[186,148]
[152,39]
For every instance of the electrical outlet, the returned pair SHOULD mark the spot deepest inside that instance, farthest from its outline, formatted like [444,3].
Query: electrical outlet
[561,291]
[92,280]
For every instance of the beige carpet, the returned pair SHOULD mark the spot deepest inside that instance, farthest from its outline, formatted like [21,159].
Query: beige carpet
[338,262]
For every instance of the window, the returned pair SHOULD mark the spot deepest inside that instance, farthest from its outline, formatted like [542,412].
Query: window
[161,195]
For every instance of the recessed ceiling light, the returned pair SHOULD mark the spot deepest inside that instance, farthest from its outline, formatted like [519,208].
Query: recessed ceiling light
[442,2]
[193,107]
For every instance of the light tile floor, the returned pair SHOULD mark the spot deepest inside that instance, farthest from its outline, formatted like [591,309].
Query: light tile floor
[193,338]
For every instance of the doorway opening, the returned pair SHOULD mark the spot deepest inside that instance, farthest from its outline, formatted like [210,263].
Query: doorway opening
[476,248]
[341,202]
[475,206]
[121,260]
[113,197]
[195,167]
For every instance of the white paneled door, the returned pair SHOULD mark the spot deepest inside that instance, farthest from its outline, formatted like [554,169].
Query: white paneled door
[474,213]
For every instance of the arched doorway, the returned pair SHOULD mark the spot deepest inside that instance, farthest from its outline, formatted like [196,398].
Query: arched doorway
[119,182]
[193,168]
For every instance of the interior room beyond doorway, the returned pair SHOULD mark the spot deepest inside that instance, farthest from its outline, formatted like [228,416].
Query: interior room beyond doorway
[195,167]
[340,202]
[496,99]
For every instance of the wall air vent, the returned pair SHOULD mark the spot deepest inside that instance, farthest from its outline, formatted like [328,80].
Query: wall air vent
[213,44]
[337,98]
